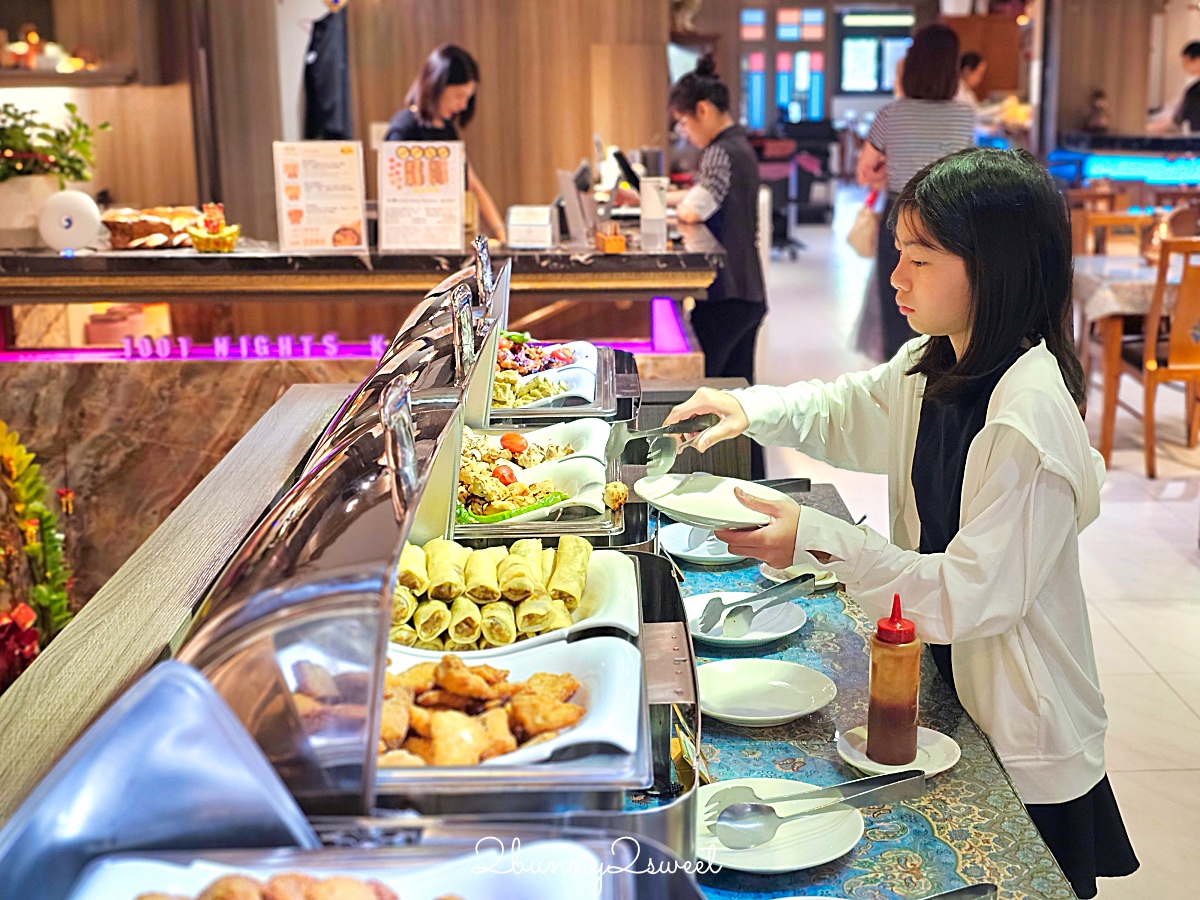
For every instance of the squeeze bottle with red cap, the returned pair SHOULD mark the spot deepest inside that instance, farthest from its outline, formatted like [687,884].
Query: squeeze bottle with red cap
[895,685]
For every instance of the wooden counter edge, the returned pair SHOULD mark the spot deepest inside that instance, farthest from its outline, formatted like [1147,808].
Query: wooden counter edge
[126,626]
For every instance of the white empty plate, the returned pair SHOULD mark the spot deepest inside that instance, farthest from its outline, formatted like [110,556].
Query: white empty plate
[761,692]
[779,576]
[936,752]
[705,500]
[811,841]
[697,545]
[777,622]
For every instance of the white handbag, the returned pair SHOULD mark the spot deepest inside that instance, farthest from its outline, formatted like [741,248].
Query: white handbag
[864,233]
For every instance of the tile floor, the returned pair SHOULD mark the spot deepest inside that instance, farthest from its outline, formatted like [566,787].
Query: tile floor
[1140,558]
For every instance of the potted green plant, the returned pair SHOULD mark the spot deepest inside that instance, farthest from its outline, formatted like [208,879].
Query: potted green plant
[36,160]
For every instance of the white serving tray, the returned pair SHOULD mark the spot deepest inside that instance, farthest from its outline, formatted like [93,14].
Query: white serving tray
[610,600]
[588,437]
[549,870]
[609,672]
[581,478]
[580,382]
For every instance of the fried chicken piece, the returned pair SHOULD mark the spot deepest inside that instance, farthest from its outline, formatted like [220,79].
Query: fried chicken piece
[418,720]
[556,687]
[394,721]
[341,888]
[616,495]
[458,739]
[233,887]
[439,699]
[289,886]
[418,679]
[453,675]
[500,739]
[400,759]
[420,747]
[535,713]
[489,674]
[316,682]
[541,738]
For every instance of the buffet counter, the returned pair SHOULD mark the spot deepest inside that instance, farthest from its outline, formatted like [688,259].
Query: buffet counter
[563,294]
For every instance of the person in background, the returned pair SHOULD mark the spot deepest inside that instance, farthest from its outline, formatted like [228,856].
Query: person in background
[971,69]
[908,134]
[991,478]
[1186,109]
[441,100]
[725,198]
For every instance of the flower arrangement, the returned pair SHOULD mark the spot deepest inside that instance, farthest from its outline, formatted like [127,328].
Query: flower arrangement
[34,577]
[31,147]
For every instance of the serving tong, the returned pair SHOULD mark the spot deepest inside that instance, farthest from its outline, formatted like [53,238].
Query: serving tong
[622,434]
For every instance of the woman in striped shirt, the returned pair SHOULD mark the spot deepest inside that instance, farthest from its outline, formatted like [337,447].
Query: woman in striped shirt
[908,134]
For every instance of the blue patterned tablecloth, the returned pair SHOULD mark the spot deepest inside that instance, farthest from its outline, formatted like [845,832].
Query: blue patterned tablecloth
[968,827]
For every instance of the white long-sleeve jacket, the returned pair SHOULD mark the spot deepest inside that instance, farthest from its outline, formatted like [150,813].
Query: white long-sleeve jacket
[1007,591]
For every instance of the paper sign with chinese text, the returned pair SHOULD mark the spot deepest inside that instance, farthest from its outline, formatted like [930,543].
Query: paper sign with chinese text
[421,188]
[319,196]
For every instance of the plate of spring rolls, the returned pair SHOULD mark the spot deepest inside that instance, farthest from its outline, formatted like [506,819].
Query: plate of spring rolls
[451,599]
[556,695]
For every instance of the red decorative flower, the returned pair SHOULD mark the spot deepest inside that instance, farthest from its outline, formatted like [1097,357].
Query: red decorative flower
[18,643]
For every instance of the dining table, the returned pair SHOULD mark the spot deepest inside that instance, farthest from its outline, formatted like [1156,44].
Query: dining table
[1107,291]
[969,826]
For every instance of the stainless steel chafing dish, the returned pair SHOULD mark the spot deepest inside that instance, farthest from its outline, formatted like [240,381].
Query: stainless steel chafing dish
[166,783]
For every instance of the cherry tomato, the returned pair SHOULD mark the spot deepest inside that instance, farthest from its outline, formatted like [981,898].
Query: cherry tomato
[514,443]
[562,355]
[505,344]
[504,475]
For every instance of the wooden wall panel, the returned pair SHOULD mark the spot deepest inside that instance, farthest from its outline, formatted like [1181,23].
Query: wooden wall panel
[534,109]
[1105,46]
[618,69]
[109,27]
[998,40]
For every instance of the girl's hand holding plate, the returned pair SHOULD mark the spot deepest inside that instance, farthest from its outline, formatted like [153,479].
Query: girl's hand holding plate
[773,543]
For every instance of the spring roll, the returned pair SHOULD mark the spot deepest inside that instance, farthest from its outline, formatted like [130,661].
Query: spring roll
[570,570]
[499,624]
[431,619]
[533,615]
[518,578]
[404,604]
[531,549]
[547,565]
[465,621]
[560,616]
[434,644]
[453,646]
[404,635]
[412,571]
[447,562]
[483,580]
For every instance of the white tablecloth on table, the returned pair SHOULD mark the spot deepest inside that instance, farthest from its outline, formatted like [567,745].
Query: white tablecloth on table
[1120,285]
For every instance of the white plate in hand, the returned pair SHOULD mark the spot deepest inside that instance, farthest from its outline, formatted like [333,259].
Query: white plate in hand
[779,576]
[610,600]
[696,545]
[761,692]
[705,500]
[580,384]
[549,870]
[777,622]
[609,672]
[811,841]
[936,752]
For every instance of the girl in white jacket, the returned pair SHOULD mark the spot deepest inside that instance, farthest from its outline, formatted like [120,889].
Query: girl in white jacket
[991,479]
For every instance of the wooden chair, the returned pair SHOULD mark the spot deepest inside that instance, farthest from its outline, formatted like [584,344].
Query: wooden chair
[1101,223]
[1171,349]
[1099,197]
[1178,196]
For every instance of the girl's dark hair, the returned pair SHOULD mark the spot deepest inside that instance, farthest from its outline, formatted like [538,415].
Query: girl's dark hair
[999,212]
[447,65]
[703,83]
[931,66]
